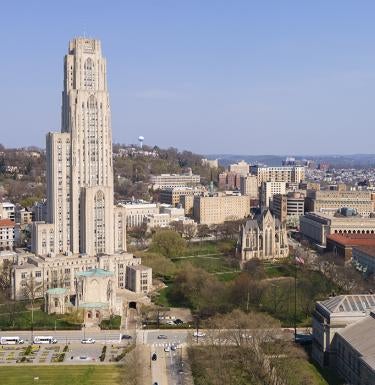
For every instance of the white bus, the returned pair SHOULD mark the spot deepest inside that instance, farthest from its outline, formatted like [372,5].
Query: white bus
[11,340]
[44,340]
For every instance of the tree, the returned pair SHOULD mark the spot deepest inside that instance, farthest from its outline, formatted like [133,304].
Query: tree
[5,276]
[168,243]
[32,289]
[189,231]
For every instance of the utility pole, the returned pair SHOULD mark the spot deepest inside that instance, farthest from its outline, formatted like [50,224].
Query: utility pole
[295,301]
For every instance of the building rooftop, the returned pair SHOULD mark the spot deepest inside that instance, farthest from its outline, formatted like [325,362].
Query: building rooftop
[93,305]
[353,239]
[57,290]
[359,336]
[349,303]
[95,273]
[6,223]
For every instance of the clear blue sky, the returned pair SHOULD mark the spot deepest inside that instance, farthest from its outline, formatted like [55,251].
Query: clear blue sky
[245,77]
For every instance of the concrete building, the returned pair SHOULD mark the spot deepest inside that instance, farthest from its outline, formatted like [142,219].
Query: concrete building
[7,234]
[241,168]
[355,352]
[172,195]
[278,174]
[174,180]
[316,226]
[23,216]
[39,211]
[137,210]
[289,208]
[330,201]
[364,257]
[332,318]
[249,186]
[217,208]
[7,211]
[139,279]
[343,244]
[166,216]
[84,233]
[268,190]
[229,180]
[263,237]
[212,163]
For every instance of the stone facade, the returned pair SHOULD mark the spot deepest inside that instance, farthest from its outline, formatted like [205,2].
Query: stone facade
[263,237]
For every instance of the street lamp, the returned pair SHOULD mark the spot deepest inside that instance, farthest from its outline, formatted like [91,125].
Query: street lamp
[84,331]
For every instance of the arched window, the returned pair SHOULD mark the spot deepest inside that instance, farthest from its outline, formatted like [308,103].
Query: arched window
[99,222]
[89,74]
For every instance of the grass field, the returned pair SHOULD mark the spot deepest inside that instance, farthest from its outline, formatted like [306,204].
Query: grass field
[61,375]
[212,264]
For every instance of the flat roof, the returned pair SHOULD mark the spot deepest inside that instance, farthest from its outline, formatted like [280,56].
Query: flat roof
[353,239]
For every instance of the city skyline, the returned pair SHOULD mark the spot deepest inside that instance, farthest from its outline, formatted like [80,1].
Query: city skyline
[182,71]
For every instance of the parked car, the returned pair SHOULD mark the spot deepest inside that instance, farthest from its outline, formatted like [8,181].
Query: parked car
[154,357]
[178,321]
[199,334]
[170,322]
[88,341]
[173,347]
[167,349]
[126,337]
[162,337]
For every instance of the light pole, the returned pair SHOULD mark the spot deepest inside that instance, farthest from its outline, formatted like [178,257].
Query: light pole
[84,331]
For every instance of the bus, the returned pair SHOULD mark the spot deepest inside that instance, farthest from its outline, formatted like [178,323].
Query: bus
[45,340]
[11,341]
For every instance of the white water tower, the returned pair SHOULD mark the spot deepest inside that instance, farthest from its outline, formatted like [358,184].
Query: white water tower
[140,140]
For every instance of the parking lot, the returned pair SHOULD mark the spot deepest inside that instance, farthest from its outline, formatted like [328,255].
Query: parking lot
[73,353]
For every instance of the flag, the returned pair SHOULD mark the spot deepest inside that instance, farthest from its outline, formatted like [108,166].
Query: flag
[300,260]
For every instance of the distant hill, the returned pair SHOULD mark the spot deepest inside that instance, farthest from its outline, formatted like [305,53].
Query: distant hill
[339,161]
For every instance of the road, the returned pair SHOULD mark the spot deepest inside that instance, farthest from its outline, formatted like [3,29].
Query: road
[69,336]
[158,367]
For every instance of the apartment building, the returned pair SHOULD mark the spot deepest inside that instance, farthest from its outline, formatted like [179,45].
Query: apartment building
[7,211]
[289,207]
[217,208]
[268,190]
[241,168]
[172,195]
[249,186]
[7,234]
[279,174]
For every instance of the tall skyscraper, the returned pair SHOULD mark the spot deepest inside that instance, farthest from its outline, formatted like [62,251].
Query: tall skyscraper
[81,215]
[80,251]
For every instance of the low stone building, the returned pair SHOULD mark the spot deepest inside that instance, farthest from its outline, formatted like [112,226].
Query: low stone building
[263,237]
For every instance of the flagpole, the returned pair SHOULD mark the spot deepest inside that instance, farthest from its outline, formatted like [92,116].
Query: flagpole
[295,301]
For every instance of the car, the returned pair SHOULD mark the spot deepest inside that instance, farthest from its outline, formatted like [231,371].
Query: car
[88,341]
[167,349]
[199,334]
[170,322]
[126,337]
[178,321]
[162,337]
[154,357]
[173,347]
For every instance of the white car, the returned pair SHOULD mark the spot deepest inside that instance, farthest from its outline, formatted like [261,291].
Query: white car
[88,341]
[167,349]
[199,334]
[170,323]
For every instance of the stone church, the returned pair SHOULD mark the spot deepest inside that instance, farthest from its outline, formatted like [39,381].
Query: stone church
[263,237]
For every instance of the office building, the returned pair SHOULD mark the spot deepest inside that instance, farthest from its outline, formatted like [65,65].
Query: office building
[268,190]
[249,186]
[172,195]
[317,226]
[174,180]
[137,210]
[288,208]
[331,201]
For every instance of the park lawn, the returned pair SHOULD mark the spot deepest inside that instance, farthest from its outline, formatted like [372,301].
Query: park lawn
[61,375]
[228,276]
[305,369]
[212,264]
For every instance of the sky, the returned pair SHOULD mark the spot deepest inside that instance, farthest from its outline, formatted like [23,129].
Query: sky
[210,76]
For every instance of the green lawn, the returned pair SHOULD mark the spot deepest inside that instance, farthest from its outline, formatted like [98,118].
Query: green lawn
[212,264]
[61,375]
